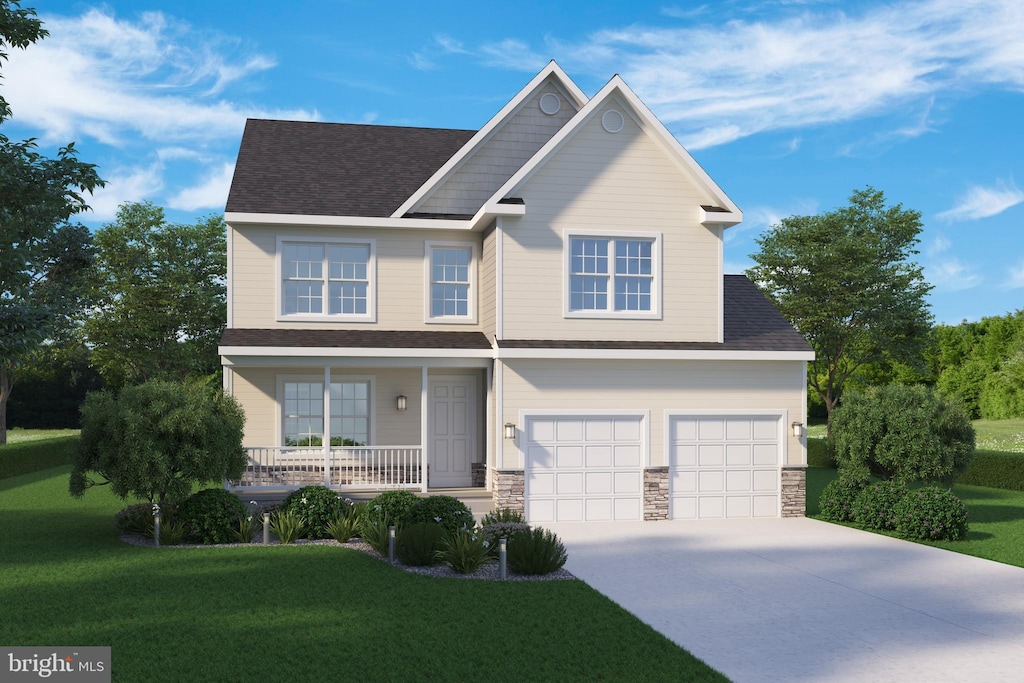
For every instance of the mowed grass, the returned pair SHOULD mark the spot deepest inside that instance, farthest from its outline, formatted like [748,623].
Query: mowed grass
[294,613]
[18,435]
[995,516]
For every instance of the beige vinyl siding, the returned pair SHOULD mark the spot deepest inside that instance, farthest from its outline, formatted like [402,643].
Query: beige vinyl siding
[509,147]
[619,183]
[579,386]
[400,277]
[487,283]
[256,389]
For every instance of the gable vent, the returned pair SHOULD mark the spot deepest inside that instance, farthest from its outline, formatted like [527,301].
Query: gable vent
[550,103]
[612,121]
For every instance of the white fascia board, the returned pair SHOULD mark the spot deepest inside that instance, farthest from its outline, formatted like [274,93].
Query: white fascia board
[360,352]
[650,354]
[484,133]
[236,218]
[722,218]
[650,123]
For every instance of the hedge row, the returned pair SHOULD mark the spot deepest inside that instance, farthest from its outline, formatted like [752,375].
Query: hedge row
[32,456]
[995,469]
[818,454]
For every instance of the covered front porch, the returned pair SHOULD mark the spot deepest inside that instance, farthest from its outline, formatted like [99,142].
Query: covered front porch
[362,425]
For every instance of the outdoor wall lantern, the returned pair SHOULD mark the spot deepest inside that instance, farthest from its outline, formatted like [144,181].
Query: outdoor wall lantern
[798,429]
[510,430]
[402,403]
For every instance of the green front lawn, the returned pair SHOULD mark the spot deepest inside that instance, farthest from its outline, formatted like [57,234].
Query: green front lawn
[18,435]
[294,613]
[996,519]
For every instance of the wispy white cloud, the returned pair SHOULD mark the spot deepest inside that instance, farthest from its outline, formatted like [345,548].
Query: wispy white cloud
[713,83]
[760,218]
[111,79]
[1016,276]
[125,185]
[952,275]
[677,12]
[210,193]
[982,202]
[937,246]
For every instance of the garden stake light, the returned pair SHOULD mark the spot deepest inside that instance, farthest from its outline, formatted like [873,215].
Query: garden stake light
[391,544]
[156,525]
[502,558]
[266,528]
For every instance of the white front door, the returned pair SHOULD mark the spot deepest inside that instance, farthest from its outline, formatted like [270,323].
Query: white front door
[452,436]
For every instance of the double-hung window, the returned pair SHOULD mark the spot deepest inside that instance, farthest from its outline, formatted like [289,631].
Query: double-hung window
[349,411]
[451,282]
[613,275]
[327,280]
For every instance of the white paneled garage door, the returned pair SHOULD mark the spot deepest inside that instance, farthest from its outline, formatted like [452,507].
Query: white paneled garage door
[584,468]
[724,466]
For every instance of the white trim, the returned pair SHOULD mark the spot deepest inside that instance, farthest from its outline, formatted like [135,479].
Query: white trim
[489,431]
[517,102]
[229,353]
[721,284]
[474,266]
[371,276]
[424,428]
[280,362]
[227,380]
[610,313]
[498,435]
[280,379]
[317,221]
[803,413]
[652,126]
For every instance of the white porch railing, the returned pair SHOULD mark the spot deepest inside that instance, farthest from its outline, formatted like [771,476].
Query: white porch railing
[349,467]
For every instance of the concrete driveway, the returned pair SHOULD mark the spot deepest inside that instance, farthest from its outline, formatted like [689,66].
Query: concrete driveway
[802,600]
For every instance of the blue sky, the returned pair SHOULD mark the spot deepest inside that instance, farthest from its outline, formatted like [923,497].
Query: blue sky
[789,105]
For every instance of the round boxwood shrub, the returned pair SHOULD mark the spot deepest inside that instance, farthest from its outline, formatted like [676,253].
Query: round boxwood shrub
[450,513]
[931,514]
[838,498]
[875,507]
[317,506]
[417,544]
[395,505]
[211,516]
[498,530]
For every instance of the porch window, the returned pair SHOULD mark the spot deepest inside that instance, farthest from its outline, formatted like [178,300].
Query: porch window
[304,413]
[321,280]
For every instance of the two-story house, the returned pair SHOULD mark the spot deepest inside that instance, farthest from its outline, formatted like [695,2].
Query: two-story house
[537,308]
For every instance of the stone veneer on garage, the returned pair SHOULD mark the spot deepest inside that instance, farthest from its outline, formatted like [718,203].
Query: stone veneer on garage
[509,487]
[794,491]
[655,493]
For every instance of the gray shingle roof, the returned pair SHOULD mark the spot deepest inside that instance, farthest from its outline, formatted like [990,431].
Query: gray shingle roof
[335,169]
[752,323]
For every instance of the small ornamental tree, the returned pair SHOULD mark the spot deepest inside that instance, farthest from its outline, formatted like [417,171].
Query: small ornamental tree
[906,433]
[156,440]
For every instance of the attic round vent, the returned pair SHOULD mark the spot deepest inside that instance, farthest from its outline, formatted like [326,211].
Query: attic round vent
[550,103]
[612,121]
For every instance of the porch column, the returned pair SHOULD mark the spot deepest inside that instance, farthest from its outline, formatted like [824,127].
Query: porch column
[327,426]
[424,428]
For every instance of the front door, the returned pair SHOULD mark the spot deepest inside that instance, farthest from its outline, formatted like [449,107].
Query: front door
[452,436]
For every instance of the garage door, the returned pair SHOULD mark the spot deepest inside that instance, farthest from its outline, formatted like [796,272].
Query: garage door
[584,468]
[724,466]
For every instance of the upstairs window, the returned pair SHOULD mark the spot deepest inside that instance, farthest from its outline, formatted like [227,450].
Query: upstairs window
[451,295]
[327,280]
[612,276]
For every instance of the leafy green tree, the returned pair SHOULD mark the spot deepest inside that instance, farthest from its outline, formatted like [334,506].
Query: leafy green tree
[845,280]
[156,440]
[160,297]
[906,433]
[1002,395]
[40,255]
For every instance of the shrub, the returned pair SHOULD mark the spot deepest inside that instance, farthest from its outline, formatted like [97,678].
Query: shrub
[875,507]
[506,530]
[248,524]
[465,551]
[909,433]
[211,516]
[317,506]
[451,513]
[417,544]
[838,499]
[138,519]
[156,440]
[995,470]
[819,453]
[537,551]
[395,505]
[502,515]
[345,525]
[931,514]
[287,526]
[374,530]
